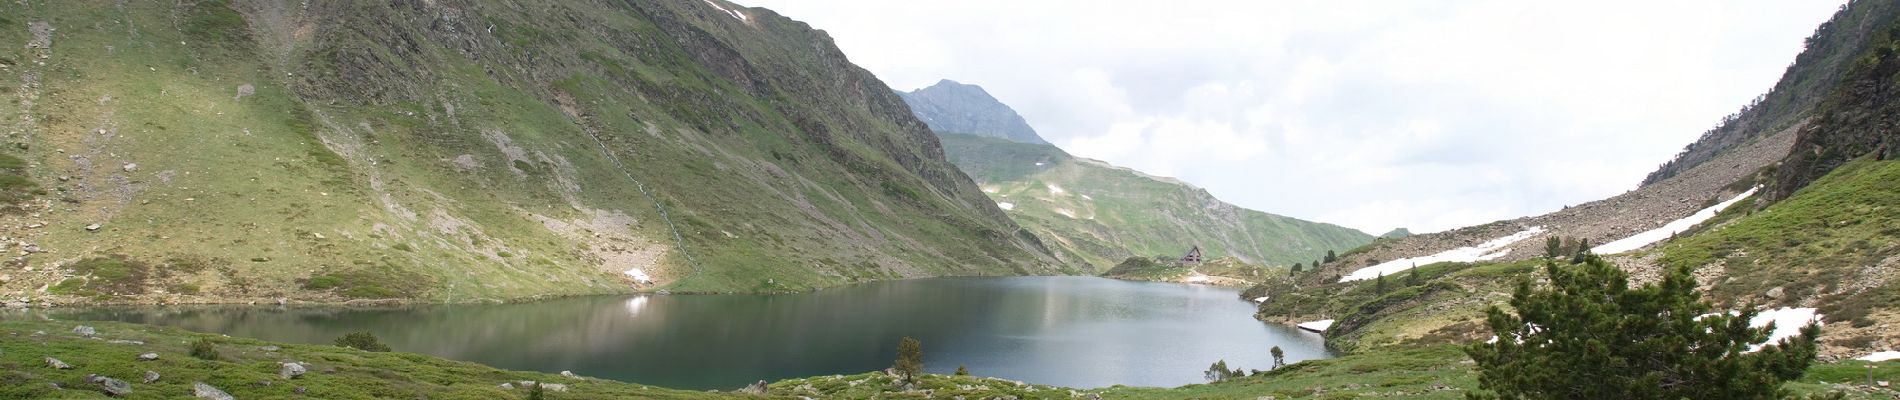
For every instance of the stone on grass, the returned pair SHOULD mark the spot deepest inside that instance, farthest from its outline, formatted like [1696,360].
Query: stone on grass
[554,387]
[270,348]
[508,385]
[57,364]
[756,389]
[203,391]
[151,376]
[148,356]
[569,374]
[290,370]
[83,330]
[112,387]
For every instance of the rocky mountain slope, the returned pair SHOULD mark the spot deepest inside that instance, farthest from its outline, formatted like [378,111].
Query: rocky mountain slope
[1808,223]
[463,150]
[949,106]
[1092,212]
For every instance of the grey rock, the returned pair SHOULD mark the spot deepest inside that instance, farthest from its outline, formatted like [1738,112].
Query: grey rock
[756,389]
[949,106]
[83,330]
[270,348]
[569,374]
[298,390]
[129,167]
[148,356]
[1775,293]
[291,370]
[151,376]
[508,385]
[554,387]
[93,227]
[57,364]
[112,387]
[203,391]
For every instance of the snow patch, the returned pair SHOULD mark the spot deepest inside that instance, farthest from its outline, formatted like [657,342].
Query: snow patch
[639,276]
[1261,299]
[735,14]
[1006,206]
[1055,190]
[1066,212]
[1039,164]
[1788,323]
[1881,356]
[1317,326]
[1483,251]
[989,190]
[1086,197]
[1639,240]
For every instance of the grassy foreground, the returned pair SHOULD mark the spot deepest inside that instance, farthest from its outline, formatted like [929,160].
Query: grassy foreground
[245,365]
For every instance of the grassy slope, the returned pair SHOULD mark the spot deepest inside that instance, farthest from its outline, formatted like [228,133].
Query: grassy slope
[1126,213]
[456,160]
[1834,240]
[342,373]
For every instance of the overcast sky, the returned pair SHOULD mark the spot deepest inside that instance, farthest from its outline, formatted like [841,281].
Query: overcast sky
[1430,115]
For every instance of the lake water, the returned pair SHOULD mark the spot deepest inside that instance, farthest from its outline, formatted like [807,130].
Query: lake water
[1071,331]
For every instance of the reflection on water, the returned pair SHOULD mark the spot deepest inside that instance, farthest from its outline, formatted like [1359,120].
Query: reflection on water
[1069,331]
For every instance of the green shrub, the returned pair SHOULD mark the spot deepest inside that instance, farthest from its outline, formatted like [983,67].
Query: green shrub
[203,350]
[363,340]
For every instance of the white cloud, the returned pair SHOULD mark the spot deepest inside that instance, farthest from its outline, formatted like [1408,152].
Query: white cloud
[1427,115]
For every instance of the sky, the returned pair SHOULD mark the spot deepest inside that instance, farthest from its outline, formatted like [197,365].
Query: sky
[1428,115]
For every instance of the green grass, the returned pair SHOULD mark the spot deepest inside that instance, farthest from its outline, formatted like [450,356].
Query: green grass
[1810,244]
[241,366]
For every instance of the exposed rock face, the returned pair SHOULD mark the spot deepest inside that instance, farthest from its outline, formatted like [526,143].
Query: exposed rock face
[949,106]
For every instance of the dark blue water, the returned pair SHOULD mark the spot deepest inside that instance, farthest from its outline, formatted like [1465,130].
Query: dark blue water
[1070,331]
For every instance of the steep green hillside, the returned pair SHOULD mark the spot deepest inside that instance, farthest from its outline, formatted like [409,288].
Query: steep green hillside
[1092,212]
[464,151]
[1814,75]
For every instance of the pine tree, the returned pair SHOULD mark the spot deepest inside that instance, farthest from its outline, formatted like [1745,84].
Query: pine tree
[910,358]
[1590,336]
[1219,372]
[1296,268]
[1411,278]
[962,371]
[1330,257]
[1583,251]
[1553,247]
[1279,357]
[1379,285]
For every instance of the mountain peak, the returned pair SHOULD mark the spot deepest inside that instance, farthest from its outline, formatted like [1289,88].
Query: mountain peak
[956,107]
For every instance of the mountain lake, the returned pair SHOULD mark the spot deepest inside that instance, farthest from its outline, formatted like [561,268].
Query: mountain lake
[1082,332]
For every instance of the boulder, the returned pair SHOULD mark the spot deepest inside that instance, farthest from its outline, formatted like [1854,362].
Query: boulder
[290,370]
[83,330]
[755,389]
[57,364]
[569,374]
[508,385]
[148,356]
[554,387]
[112,387]
[151,376]
[203,391]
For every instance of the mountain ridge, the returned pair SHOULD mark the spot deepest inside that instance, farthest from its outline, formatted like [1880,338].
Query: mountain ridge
[951,106]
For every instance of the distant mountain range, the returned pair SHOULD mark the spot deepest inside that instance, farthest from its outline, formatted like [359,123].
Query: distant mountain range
[949,106]
[1091,212]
